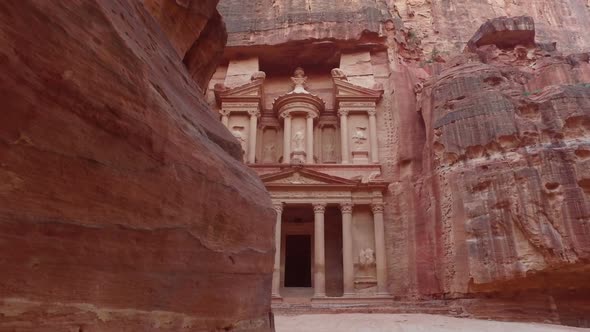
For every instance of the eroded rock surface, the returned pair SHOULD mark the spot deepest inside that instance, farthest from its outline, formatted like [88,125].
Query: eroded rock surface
[505,172]
[123,206]
[484,143]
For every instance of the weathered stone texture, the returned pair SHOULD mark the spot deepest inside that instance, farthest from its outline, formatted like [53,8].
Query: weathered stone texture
[116,182]
[265,22]
[448,25]
[505,163]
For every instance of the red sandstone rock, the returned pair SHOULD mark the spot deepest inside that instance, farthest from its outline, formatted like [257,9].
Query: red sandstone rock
[505,33]
[123,206]
[486,152]
[506,164]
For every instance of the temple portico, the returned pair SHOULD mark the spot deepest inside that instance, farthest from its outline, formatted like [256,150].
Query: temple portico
[339,217]
[314,145]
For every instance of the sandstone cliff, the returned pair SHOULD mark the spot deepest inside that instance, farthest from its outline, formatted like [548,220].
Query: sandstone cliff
[116,181]
[486,146]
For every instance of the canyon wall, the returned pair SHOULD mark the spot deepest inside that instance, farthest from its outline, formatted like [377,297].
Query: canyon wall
[448,25]
[486,149]
[116,180]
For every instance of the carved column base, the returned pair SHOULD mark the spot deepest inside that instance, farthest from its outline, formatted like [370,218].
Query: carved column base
[360,157]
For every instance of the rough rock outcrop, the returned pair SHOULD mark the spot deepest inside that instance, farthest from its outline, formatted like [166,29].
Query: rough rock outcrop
[504,178]
[487,154]
[272,22]
[116,181]
[447,25]
[196,31]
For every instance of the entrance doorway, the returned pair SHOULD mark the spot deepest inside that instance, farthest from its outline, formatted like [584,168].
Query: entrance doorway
[298,261]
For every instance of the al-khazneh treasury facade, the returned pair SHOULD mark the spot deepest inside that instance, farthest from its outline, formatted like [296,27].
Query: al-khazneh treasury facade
[313,140]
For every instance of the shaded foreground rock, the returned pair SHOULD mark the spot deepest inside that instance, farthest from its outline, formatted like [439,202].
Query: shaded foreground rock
[116,181]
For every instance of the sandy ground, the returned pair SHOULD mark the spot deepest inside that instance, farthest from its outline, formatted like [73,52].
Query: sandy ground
[404,323]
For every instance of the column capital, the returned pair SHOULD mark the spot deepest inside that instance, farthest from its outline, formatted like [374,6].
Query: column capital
[343,112]
[255,113]
[278,207]
[224,112]
[377,207]
[372,112]
[285,115]
[346,208]
[319,207]
[311,116]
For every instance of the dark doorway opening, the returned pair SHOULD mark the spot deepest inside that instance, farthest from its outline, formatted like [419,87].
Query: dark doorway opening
[298,261]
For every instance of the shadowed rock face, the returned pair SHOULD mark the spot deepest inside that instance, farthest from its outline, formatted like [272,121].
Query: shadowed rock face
[116,181]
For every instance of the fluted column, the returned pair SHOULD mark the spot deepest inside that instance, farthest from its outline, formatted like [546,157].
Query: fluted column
[309,139]
[380,255]
[347,260]
[319,276]
[252,136]
[225,118]
[276,276]
[344,135]
[373,136]
[287,139]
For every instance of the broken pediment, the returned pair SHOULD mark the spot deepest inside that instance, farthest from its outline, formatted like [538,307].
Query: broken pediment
[347,91]
[249,92]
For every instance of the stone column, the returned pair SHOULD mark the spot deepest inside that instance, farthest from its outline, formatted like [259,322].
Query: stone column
[319,277]
[225,118]
[287,139]
[344,135]
[309,139]
[347,255]
[276,276]
[380,249]
[373,136]
[252,136]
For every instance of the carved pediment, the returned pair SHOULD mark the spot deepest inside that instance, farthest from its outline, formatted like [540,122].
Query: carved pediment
[249,92]
[347,91]
[304,177]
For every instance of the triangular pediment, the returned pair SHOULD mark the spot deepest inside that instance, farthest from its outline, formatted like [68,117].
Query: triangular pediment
[302,176]
[249,92]
[348,91]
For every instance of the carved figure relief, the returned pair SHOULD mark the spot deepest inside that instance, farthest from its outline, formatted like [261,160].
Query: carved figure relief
[238,132]
[298,139]
[299,81]
[360,138]
[329,146]
[269,154]
[367,257]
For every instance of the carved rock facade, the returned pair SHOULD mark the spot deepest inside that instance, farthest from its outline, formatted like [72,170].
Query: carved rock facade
[483,154]
[123,206]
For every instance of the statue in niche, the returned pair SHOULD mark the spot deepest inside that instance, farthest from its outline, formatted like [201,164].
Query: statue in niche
[238,132]
[329,152]
[367,257]
[269,153]
[299,81]
[360,137]
[298,141]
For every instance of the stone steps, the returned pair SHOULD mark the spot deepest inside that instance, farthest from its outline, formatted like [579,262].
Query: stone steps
[398,307]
